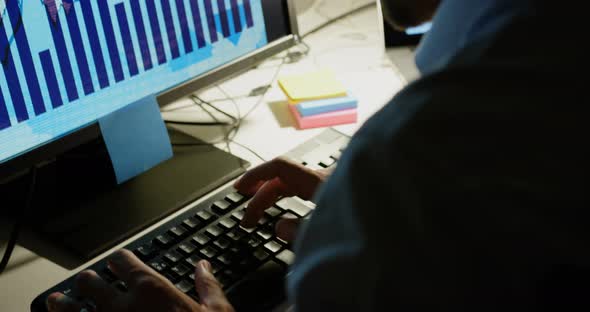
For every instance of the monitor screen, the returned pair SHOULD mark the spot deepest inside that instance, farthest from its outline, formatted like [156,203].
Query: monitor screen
[67,63]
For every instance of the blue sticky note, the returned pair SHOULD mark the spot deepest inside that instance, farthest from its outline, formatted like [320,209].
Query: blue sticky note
[136,138]
[316,107]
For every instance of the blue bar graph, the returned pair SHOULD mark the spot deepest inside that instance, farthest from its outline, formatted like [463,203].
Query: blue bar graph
[197,22]
[14,87]
[170,30]
[63,58]
[235,9]
[107,25]
[211,21]
[50,78]
[79,51]
[141,35]
[87,49]
[223,16]
[4,119]
[24,51]
[156,33]
[248,9]
[96,49]
[184,28]
[127,41]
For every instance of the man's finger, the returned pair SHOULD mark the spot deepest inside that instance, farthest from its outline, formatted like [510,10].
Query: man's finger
[58,302]
[266,196]
[302,181]
[91,286]
[209,289]
[286,229]
[128,267]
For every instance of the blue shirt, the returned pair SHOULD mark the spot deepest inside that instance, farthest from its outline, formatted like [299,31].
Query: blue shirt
[334,268]
[458,23]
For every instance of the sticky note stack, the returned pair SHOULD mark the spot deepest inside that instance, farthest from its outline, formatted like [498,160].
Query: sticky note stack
[319,99]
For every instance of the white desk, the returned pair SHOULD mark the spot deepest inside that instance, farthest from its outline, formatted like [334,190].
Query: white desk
[351,47]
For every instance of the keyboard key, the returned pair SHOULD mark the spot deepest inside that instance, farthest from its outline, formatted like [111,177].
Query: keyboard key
[193,260]
[261,254]
[220,207]
[222,243]
[192,223]
[164,240]
[186,248]
[235,234]
[226,259]
[209,252]
[171,277]
[253,242]
[180,271]
[245,264]
[228,223]
[286,256]
[172,256]
[336,155]
[231,273]
[178,232]
[265,233]
[215,267]
[294,205]
[184,286]
[214,231]
[264,220]
[191,277]
[273,247]
[146,252]
[289,215]
[238,215]
[250,230]
[159,266]
[328,162]
[273,212]
[200,239]
[205,216]
[234,198]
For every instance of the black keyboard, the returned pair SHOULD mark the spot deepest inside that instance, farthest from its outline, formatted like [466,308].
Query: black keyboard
[247,262]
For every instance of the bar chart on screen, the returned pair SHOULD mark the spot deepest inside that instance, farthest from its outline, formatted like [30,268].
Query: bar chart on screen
[66,63]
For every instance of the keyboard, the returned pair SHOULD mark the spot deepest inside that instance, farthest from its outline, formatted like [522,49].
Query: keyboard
[250,264]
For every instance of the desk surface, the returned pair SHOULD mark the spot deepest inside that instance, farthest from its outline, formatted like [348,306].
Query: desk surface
[352,47]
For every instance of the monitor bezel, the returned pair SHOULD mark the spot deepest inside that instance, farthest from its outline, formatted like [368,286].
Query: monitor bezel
[47,152]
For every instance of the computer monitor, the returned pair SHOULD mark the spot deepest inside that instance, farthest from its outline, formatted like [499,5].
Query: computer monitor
[67,63]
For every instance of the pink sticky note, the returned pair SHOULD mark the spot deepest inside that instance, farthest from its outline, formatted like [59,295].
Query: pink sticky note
[324,120]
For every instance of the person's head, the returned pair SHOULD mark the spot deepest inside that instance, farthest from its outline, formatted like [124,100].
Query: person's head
[402,14]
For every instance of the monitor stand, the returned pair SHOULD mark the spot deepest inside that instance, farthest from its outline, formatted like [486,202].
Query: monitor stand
[79,210]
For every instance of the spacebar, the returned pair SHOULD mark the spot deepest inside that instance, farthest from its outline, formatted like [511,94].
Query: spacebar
[262,290]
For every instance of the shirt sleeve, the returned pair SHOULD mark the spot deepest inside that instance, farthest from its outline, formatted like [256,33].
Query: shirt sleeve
[447,200]
[337,271]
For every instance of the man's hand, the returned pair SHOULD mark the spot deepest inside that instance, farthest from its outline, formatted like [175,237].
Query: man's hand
[270,182]
[148,291]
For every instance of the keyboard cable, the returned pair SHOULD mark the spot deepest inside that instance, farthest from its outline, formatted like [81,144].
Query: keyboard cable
[19,221]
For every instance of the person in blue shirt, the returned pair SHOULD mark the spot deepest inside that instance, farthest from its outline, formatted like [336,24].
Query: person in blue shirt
[467,192]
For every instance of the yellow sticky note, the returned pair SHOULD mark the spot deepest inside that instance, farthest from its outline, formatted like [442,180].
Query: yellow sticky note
[312,86]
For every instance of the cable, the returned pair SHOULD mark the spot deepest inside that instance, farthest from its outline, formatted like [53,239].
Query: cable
[229,136]
[18,224]
[250,150]
[199,102]
[337,19]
